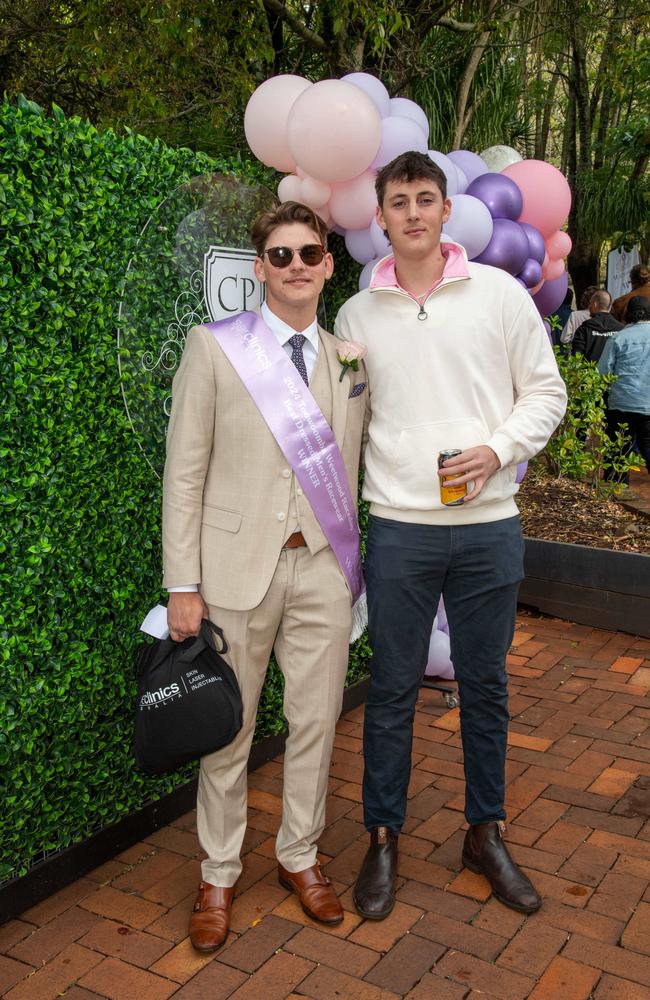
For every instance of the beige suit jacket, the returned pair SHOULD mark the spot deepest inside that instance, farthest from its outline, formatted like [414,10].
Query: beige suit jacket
[227,485]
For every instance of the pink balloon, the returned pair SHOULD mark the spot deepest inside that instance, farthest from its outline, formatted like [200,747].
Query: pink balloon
[290,188]
[334,131]
[546,194]
[324,214]
[558,246]
[353,205]
[439,661]
[374,88]
[403,108]
[265,120]
[359,245]
[553,270]
[398,135]
[315,193]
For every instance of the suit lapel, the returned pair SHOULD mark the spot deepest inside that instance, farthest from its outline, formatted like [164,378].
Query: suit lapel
[340,390]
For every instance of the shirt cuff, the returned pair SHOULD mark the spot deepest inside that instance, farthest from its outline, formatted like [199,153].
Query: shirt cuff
[189,588]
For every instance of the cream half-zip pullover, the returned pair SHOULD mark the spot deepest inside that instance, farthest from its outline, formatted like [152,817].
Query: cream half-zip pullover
[477,369]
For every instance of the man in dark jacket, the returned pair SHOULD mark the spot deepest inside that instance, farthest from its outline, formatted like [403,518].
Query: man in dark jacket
[591,337]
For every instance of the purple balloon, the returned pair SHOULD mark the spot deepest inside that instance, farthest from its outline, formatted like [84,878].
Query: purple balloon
[508,248]
[500,194]
[470,163]
[549,332]
[398,135]
[531,273]
[374,88]
[551,295]
[536,246]
[522,468]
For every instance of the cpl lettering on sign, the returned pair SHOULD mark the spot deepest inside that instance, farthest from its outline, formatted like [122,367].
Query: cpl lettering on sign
[230,285]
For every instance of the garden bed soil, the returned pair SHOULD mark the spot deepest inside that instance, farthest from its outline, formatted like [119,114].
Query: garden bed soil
[564,510]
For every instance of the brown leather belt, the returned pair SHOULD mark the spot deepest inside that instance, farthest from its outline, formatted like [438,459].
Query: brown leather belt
[295,541]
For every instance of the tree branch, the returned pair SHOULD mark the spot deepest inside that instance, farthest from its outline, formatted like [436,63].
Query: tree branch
[314,40]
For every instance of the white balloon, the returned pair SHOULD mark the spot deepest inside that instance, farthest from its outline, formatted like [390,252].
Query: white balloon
[469,224]
[497,158]
[359,245]
[448,168]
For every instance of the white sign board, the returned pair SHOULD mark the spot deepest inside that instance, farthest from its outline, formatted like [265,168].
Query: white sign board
[619,264]
[229,284]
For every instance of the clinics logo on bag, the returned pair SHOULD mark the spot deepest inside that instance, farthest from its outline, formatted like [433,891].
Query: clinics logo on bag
[193,680]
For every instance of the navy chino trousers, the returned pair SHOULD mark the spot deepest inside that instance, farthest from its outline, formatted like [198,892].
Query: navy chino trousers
[478,568]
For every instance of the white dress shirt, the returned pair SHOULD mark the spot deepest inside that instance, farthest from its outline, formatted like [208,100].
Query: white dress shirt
[283,332]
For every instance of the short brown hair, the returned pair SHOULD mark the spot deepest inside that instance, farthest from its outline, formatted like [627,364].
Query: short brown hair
[409,167]
[639,275]
[284,215]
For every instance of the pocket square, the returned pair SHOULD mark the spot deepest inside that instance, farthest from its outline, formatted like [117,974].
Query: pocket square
[357,389]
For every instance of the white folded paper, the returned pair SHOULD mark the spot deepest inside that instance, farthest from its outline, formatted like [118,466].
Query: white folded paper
[155,623]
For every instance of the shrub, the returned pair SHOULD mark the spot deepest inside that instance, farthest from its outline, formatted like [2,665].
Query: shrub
[79,536]
[581,448]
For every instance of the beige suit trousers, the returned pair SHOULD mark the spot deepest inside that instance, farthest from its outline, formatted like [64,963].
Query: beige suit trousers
[305,617]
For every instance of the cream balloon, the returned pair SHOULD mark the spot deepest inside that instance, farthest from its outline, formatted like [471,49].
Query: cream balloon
[265,120]
[334,131]
[498,157]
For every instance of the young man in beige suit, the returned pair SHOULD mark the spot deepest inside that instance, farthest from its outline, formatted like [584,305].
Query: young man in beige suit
[243,547]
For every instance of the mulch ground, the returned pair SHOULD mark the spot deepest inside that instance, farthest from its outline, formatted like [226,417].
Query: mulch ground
[578,802]
[564,510]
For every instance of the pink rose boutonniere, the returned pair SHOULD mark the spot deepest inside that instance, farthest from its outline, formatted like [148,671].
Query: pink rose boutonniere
[350,354]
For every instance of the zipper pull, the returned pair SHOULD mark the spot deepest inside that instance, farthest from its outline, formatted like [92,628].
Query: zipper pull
[422,313]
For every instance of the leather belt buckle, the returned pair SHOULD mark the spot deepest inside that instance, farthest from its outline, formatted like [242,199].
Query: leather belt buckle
[295,541]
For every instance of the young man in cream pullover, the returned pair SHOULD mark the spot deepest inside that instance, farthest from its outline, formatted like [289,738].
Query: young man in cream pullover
[457,359]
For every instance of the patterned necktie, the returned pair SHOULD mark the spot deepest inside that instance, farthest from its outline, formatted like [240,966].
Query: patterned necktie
[297,356]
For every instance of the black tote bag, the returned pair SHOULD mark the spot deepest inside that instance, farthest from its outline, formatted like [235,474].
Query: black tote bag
[189,703]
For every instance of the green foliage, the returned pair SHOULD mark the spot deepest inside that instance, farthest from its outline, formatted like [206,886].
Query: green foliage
[581,448]
[80,507]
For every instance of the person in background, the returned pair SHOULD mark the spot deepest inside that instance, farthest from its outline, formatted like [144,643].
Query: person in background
[640,282]
[592,335]
[628,357]
[578,317]
[458,358]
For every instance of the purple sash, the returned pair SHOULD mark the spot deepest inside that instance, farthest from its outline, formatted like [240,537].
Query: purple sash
[297,424]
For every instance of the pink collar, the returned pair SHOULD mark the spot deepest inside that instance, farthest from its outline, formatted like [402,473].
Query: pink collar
[384,275]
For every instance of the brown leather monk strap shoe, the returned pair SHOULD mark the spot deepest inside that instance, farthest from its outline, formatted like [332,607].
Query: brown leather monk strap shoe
[210,920]
[314,890]
[485,853]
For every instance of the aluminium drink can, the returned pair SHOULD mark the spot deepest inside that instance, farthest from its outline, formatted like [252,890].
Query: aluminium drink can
[451,495]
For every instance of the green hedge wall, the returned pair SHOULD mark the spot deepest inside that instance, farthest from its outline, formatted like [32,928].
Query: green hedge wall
[79,533]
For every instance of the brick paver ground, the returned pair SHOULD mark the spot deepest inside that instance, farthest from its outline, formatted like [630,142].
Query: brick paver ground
[579,823]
